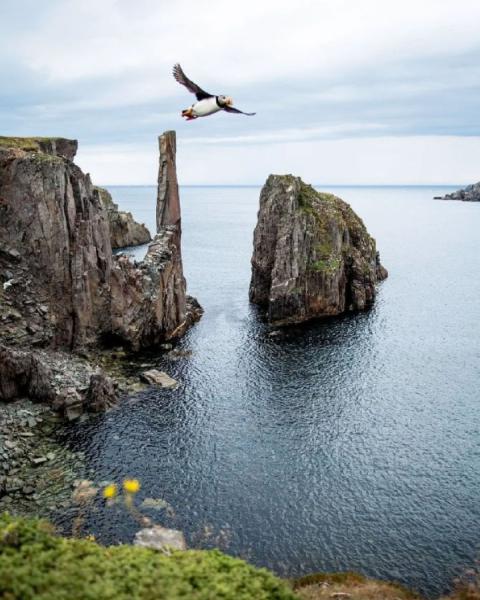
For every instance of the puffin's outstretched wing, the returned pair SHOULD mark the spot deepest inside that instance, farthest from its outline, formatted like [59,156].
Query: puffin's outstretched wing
[235,110]
[191,87]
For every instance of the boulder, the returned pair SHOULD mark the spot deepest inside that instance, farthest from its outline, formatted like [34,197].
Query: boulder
[160,538]
[312,257]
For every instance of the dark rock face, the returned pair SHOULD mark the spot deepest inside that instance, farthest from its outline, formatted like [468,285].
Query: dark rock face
[149,301]
[312,257]
[24,374]
[469,194]
[124,230]
[168,199]
[56,254]
[61,289]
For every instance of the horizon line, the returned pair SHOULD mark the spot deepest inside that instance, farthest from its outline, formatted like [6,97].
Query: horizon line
[257,185]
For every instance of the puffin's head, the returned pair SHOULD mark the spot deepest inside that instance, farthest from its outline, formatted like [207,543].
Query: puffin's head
[225,100]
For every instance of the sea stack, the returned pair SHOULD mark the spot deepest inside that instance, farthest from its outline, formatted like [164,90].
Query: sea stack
[312,257]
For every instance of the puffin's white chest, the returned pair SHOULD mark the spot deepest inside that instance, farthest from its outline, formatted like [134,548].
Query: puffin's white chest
[205,107]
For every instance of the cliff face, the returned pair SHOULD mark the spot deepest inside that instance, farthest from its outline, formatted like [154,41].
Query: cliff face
[312,257]
[55,252]
[62,287]
[469,194]
[124,230]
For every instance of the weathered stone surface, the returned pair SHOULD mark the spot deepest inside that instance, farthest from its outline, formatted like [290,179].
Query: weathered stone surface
[61,286]
[65,382]
[168,199]
[24,374]
[148,299]
[469,194]
[101,393]
[51,219]
[312,257]
[159,378]
[124,230]
[160,538]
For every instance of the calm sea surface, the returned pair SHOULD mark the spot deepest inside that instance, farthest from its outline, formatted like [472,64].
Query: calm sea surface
[351,443]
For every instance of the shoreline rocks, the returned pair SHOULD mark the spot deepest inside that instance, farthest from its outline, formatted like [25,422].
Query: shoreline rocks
[471,193]
[65,382]
[312,257]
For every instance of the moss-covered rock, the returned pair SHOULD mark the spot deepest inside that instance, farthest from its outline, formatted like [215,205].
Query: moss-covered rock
[47,145]
[313,256]
[37,565]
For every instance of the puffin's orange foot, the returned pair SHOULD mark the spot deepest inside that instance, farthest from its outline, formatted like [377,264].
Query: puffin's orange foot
[188,114]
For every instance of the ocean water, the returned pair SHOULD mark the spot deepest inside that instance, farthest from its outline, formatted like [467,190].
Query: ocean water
[351,443]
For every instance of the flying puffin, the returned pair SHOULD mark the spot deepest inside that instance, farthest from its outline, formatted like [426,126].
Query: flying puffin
[206,104]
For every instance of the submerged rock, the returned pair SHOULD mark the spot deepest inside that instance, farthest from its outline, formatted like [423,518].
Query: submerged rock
[312,257]
[469,194]
[124,230]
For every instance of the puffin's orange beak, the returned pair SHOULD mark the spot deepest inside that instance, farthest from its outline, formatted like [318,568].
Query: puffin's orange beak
[229,101]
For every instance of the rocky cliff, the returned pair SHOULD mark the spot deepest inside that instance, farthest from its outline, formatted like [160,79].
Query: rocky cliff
[312,256]
[60,286]
[469,194]
[55,252]
[124,230]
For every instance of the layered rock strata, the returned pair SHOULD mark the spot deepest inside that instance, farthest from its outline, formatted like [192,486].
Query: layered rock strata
[312,256]
[60,286]
[469,194]
[124,230]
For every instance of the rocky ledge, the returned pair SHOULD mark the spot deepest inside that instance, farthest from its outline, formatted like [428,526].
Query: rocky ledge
[124,230]
[312,256]
[469,194]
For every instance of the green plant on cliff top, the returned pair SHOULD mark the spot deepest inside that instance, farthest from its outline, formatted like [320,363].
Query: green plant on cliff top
[37,565]
[24,143]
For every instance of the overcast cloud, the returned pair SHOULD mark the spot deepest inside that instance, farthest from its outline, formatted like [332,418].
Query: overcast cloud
[377,91]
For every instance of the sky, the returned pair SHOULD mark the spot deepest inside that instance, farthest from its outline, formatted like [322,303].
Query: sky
[346,91]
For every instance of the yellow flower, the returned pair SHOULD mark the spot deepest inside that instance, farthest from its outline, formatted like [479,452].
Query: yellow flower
[90,537]
[131,485]
[110,491]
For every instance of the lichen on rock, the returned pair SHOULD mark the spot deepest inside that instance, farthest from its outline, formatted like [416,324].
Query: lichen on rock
[313,256]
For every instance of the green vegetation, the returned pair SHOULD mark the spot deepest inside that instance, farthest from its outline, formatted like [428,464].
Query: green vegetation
[25,143]
[328,265]
[37,565]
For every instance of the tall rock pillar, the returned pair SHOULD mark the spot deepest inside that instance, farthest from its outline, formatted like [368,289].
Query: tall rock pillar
[168,200]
